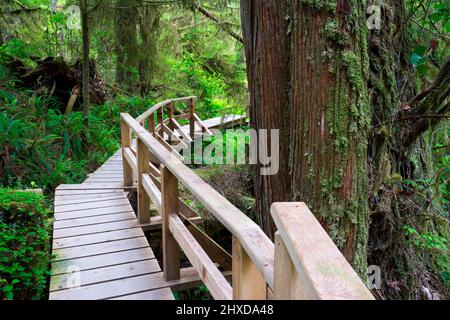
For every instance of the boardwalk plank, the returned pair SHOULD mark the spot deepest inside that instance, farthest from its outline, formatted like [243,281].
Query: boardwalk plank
[117,288]
[109,259]
[92,212]
[86,221]
[66,281]
[161,294]
[62,201]
[78,231]
[99,204]
[97,238]
[101,248]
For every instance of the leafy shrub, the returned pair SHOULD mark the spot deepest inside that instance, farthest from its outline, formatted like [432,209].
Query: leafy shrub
[24,245]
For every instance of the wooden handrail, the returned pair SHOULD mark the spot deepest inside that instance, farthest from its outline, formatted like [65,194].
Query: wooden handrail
[308,265]
[160,105]
[255,242]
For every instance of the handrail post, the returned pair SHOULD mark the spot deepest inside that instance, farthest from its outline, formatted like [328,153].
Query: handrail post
[125,142]
[160,113]
[143,159]
[286,283]
[151,123]
[171,114]
[248,282]
[169,201]
[171,117]
[191,105]
[308,265]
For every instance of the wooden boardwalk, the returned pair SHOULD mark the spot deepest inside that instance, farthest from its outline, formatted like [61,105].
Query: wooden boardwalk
[99,248]
[100,251]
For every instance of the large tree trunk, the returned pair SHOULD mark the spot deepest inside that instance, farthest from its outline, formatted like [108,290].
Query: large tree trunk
[347,129]
[265,32]
[148,29]
[126,45]
[305,70]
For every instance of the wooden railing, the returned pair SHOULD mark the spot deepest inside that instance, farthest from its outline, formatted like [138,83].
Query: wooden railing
[157,122]
[256,274]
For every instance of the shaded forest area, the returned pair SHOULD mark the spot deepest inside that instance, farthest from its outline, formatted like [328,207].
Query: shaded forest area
[362,106]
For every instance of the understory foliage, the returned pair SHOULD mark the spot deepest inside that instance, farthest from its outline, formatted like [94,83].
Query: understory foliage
[24,245]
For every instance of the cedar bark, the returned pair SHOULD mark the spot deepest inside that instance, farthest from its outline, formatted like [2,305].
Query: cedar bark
[342,147]
[126,45]
[267,50]
[309,85]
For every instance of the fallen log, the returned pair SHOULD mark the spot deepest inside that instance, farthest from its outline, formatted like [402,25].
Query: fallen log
[53,76]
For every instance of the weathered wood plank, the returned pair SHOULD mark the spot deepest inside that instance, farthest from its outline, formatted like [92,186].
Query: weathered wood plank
[122,287]
[86,221]
[64,200]
[93,212]
[79,231]
[152,191]
[143,160]
[109,259]
[169,202]
[97,238]
[92,193]
[218,286]
[125,142]
[87,277]
[160,294]
[91,205]
[100,248]
[248,282]
[89,186]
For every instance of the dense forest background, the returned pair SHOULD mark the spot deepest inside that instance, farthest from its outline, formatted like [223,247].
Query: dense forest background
[363,111]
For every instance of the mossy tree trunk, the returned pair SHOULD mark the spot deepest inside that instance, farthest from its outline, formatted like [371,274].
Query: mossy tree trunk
[306,65]
[349,136]
[126,45]
[149,32]
[137,29]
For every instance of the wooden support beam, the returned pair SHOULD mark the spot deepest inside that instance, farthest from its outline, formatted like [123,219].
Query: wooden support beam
[151,123]
[248,282]
[130,158]
[161,121]
[173,136]
[143,159]
[170,106]
[212,248]
[169,147]
[286,280]
[202,126]
[171,250]
[152,191]
[218,286]
[125,142]
[183,134]
[191,105]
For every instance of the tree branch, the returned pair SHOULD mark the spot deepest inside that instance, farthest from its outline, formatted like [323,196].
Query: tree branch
[431,101]
[221,25]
